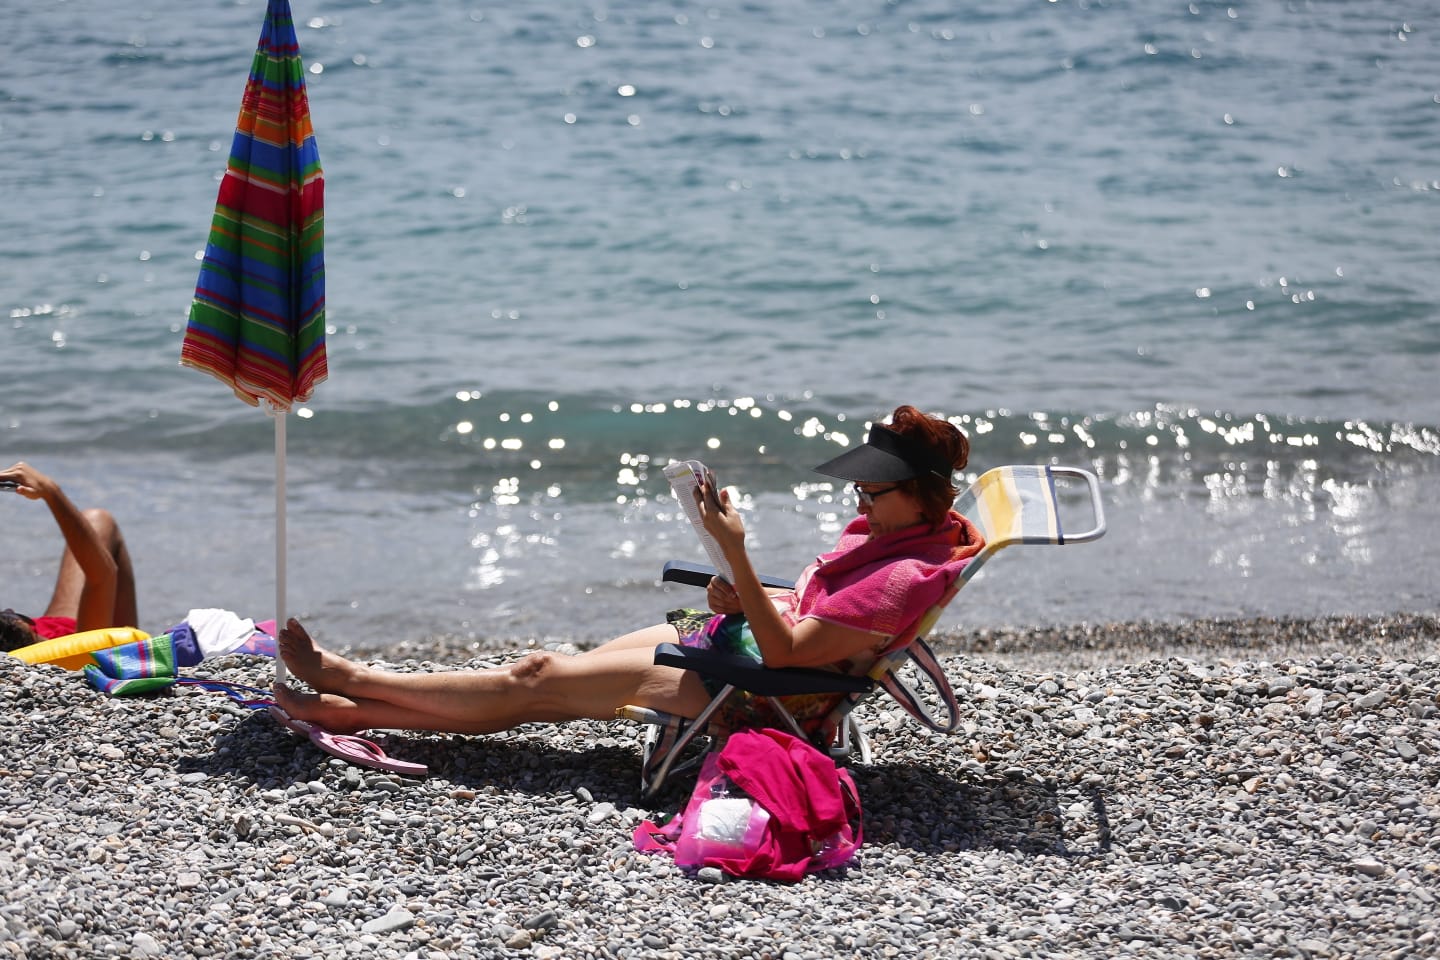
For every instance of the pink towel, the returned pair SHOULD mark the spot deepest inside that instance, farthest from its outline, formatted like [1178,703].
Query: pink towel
[799,786]
[885,584]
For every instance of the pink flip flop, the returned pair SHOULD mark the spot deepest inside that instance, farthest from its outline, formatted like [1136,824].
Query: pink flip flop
[287,721]
[364,752]
[352,749]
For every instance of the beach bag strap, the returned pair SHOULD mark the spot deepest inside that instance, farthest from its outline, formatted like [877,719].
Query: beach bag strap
[925,661]
[650,837]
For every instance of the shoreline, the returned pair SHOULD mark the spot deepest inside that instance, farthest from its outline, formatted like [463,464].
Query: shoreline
[1088,645]
[1222,796]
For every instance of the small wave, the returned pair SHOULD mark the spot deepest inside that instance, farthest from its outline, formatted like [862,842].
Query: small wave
[597,447]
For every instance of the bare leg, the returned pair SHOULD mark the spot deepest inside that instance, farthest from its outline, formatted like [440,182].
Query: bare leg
[644,639]
[343,715]
[127,611]
[543,687]
[70,582]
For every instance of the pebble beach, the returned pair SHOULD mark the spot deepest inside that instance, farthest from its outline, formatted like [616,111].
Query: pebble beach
[1259,788]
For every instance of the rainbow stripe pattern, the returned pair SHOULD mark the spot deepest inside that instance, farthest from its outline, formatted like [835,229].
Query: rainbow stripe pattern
[258,318]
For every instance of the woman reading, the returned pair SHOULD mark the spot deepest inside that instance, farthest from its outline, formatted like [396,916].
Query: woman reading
[893,561]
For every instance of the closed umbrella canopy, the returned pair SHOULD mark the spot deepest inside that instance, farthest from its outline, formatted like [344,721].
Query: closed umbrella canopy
[258,318]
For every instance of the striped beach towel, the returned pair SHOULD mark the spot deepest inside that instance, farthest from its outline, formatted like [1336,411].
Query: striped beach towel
[134,669]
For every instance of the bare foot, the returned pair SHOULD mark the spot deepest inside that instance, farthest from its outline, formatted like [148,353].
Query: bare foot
[334,713]
[326,672]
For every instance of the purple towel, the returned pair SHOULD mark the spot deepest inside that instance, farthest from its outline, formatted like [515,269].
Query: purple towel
[187,648]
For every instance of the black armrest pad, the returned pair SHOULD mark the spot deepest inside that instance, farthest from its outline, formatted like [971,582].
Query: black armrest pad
[699,574]
[757,678]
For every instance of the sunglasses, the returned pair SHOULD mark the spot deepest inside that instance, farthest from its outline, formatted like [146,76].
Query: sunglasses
[867,497]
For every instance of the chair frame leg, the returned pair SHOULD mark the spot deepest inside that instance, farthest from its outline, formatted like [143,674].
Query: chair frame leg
[657,780]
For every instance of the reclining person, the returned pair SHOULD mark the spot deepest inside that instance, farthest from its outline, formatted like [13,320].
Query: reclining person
[95,585]
[891,564]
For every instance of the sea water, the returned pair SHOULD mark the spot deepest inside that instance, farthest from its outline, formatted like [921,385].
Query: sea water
[1187,246]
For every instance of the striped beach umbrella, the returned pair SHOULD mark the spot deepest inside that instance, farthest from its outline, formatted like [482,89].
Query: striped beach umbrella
[258,318]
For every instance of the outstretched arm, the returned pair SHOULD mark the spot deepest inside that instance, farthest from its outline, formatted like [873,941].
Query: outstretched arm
[810,643]
[97,597]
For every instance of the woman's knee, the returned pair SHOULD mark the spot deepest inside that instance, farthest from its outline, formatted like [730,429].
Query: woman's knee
[534,670]
[538,681]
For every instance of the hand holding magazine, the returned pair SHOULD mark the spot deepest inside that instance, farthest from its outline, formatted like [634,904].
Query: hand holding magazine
[684,477]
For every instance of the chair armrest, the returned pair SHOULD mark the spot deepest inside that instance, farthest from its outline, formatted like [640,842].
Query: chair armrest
[1097,508]
[699,574]
[752,677]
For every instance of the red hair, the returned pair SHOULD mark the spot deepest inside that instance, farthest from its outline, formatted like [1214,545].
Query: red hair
[935,494]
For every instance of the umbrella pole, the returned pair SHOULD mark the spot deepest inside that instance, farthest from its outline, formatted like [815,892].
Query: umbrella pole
[279,416]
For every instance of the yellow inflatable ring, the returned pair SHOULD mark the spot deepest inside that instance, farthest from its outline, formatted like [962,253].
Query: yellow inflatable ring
[73,651]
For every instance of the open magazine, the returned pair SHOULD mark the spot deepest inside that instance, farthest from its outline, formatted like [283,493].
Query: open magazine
[684,476]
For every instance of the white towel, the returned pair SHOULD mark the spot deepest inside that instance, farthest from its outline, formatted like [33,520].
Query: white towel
[219,631]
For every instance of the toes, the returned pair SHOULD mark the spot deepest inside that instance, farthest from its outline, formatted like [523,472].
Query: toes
[293,637]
